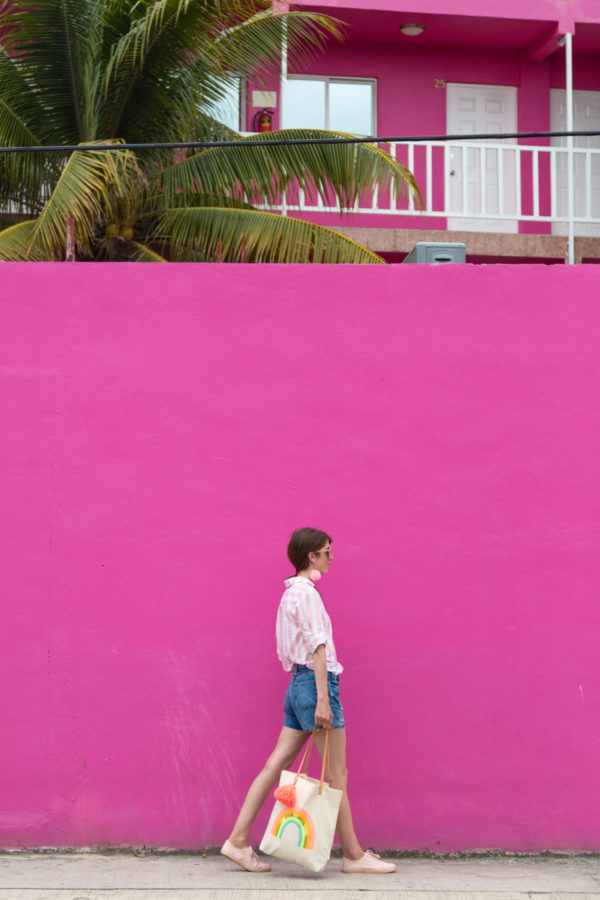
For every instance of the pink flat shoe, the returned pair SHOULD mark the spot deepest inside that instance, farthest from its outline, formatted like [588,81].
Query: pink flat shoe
[245,858]
[369,864]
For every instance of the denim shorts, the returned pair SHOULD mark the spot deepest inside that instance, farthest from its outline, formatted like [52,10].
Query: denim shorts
[301,700]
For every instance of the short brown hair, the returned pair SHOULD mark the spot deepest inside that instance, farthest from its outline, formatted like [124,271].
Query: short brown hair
[303,542]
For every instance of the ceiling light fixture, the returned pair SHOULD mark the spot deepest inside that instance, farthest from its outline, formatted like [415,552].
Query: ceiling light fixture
[411,29]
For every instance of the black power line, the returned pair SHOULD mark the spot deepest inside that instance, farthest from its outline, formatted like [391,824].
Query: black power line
[290,142]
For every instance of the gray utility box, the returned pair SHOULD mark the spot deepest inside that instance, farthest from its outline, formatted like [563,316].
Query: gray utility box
[431,252]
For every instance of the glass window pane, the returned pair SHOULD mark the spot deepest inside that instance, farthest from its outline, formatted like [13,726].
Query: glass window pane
[304,103]
[350,107]
[227,110]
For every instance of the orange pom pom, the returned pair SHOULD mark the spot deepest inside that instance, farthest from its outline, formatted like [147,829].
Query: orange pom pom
[286,794]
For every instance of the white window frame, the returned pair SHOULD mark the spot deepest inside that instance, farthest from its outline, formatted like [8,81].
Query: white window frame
[243,102]
[340,79]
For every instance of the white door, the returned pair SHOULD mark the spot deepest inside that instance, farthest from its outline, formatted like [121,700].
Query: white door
[482,179]
[586,117]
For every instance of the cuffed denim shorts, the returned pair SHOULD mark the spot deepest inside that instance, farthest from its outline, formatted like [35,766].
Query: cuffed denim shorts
[301,700]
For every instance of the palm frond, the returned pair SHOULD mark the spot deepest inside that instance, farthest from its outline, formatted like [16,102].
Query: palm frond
[71,47]
[193,198]
[144,30]
[22,175]
[235,235]
[14,242]
[22,109]
[51,41]
[264,173]
[145,254]
[175,56]
[207,128]
[90,189]
[254,46]
[149,73]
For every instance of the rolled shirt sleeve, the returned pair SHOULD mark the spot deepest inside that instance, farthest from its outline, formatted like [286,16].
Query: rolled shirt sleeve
[303,625]
[311,621]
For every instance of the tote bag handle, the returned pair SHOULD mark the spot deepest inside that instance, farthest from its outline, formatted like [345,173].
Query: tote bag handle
[325,754]
[302,768]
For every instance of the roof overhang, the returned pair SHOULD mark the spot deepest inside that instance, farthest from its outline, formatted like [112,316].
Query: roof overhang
[462,24]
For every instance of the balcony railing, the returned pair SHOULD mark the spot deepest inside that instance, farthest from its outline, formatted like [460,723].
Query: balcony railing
[472,184]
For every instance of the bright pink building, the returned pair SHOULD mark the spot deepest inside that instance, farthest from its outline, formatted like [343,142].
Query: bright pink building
[472,68]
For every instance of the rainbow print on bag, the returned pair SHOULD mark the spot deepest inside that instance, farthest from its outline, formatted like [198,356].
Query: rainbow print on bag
[302,821]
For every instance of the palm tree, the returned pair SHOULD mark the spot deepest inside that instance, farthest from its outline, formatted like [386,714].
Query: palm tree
[118,71]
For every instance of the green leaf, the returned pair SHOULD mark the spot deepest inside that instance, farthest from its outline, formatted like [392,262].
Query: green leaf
[91,188]
[14,242]
[149,66]
[253,46]
[54,45]
[233,235]
[24,177]
[145,254]
[265,173]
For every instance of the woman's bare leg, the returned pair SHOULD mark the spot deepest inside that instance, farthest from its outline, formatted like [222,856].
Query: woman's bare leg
[286,750]
[336,774]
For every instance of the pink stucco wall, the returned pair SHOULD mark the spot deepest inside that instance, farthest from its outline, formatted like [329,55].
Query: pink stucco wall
[166,427]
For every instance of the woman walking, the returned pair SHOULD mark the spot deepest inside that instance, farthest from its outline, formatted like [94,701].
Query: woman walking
[306,650]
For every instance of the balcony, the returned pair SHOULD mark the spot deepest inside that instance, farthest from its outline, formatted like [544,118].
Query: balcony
[511,199]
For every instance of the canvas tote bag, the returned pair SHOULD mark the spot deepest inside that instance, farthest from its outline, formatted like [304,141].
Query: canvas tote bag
[302,823]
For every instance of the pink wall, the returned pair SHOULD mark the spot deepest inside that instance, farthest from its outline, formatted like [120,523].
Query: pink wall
[164,430]
[586,74]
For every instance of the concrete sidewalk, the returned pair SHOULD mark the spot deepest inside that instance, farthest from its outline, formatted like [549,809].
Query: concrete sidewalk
[90,876]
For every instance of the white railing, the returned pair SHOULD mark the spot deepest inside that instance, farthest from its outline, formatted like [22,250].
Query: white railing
[472,181]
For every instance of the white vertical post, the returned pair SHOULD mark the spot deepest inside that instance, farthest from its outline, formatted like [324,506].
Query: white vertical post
[588,184]
[411,166]
[283,90]
[447,177]
[536,183]
[429,179]
[284,73]
[518,156]
[553,183]
[482,179]
[501,179]
[570,155]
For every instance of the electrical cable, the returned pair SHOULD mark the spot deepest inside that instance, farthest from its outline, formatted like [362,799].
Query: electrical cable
[290,142]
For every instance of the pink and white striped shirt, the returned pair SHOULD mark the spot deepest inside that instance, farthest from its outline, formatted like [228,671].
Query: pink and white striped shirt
[303,625]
